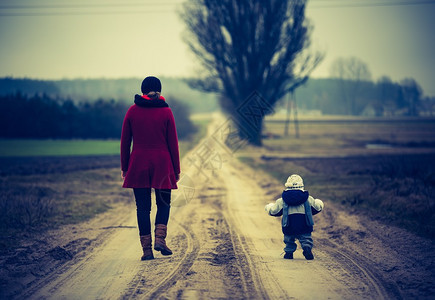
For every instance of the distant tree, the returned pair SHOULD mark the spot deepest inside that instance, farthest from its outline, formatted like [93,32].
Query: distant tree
[390,95]
[386,95]
[250,46]
[412,93]
[101,118]
[70,117]
[351,73]
[427,105]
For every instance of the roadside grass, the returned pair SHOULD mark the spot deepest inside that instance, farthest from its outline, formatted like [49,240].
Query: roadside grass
[42,193]
[34,203]
[396,186]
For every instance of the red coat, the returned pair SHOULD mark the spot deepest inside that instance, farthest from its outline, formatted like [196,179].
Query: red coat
[154,160]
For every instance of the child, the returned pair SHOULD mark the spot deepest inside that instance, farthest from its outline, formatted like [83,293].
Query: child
[297,208]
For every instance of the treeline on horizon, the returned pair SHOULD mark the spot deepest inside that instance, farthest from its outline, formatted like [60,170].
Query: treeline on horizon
[42,116]
[328,96]
[347,97]
[122,90]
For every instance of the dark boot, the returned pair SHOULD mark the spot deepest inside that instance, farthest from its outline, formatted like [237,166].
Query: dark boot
[145,241]
[307,253]
[160,243]
[288,255]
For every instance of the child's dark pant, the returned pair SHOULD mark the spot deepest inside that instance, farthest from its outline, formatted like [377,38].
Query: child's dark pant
[143,206]
[290,242]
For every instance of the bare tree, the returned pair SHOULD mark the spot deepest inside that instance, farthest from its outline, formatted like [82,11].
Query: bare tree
[350,72]
[250,47]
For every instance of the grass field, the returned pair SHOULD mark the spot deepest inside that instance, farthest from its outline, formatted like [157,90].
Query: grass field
[383,167]
[50,147]
[14,148]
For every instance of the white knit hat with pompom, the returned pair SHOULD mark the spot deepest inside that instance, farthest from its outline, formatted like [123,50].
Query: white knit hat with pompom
[295,182]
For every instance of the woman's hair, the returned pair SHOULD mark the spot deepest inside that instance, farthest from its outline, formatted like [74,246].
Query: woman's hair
[153,95]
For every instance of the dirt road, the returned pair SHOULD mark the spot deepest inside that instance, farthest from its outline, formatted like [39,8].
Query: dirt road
[226,247]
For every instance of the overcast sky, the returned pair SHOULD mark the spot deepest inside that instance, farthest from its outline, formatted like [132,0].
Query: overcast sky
[54,39]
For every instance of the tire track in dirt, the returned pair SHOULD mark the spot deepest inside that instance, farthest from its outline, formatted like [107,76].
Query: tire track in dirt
[265,286]
[101,274]
[253,267]
[136,289]
[252,285]
[54,280]
[352,260]
[360,269]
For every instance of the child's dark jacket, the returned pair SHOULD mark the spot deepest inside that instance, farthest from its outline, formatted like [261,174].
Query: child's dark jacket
[300,207]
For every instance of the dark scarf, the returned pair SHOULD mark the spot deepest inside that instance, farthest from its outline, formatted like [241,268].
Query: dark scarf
[295,198]
[145,101]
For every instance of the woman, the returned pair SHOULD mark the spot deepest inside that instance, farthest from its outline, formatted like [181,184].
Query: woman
[153,162]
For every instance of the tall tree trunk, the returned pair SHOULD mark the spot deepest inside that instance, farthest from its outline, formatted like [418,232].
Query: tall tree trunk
[249,116]
[295,112]
[287,117]
[250,133]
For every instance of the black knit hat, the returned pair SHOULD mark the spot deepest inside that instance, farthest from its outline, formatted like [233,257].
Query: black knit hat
[151,84]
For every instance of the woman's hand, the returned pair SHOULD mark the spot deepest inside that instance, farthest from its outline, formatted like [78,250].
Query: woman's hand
[177,177]
[123,174]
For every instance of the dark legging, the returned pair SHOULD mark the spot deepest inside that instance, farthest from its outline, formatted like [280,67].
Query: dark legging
[143,206]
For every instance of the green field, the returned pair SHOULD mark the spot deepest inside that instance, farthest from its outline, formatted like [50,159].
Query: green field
[26,148]
[14,148]
[90,147]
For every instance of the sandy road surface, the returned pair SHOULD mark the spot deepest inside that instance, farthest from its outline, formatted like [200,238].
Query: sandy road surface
[226,247]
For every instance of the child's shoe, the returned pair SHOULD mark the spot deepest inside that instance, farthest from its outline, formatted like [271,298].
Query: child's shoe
[288,255]
[307,253]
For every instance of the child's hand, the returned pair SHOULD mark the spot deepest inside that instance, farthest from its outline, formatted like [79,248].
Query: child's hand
[267,207]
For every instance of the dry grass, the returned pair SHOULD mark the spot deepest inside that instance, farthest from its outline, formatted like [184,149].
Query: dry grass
[36,202]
